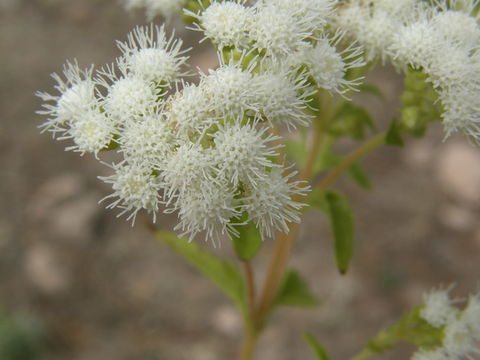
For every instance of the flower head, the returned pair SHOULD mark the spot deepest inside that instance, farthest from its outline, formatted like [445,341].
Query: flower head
[148,141]
[135,188]
[188,167]
[91,133]
[149,54]
[128,98]
[241,153]
[270,204]
[226,23]
[328,67]
[438,309]
[229,90]
[76,97]
[282,96]
[276,32]
[208,207]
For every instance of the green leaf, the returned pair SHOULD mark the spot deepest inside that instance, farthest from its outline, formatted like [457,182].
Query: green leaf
[222,273]
[411,328]
[394,136]
[352,120]
[341,218]
[294,292]
[359,175]
[249,240]
[319,350]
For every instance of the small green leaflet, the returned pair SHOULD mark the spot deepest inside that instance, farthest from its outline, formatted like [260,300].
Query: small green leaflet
[319,350]
[359,175]
[295,292]
[249,240]
[222,273]
[341,219]
[394,135]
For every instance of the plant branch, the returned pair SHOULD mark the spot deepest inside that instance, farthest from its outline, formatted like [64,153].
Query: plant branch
[250,281]
[248,346]
[275,272]
[370,145]
[312,156]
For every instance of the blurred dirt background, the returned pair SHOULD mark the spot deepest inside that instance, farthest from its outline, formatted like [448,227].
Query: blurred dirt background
[77,283]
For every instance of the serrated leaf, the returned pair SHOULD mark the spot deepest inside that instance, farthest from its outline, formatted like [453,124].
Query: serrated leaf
[295,292]
[249,240]
[318,350]
[394,136]
[341,219]
[222,273]
[359,175]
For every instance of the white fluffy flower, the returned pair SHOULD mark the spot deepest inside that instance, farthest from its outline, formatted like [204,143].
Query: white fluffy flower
[457,27]
[276,31]
[375,23]
[271,204]
[135,188]
[372,30]
[208,207]
[415,44]
[226,23]
[438,309]
[148,141]
[458,339]
[328,67]
[282,97]
[189,166]
[76,96]
[437,354]
[230,91]
[461,329]
[242,153]
[471,315]
[128,98]
[187,111]
[313,13]
[91,133]
[151,55]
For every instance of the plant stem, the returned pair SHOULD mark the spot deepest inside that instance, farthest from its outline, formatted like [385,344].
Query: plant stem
[276,269]
[312,156]
[351,159]
[284,242]
[246,352]
[250,280]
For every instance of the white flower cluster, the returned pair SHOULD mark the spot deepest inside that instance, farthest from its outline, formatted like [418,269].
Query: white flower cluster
[461,328]
[289,32]
[442,39]
[206,150]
